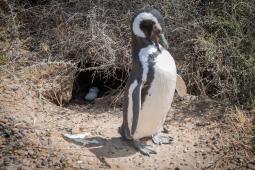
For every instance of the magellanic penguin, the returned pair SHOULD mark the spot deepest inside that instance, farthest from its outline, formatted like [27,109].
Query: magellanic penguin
[151,84]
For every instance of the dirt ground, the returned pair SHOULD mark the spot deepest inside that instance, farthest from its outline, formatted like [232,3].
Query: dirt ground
[32,128]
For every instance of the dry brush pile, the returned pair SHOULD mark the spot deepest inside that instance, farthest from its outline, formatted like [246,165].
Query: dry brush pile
[213,43]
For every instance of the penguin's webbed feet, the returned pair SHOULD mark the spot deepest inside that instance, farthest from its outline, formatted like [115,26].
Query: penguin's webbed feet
[160,139]
[143,149]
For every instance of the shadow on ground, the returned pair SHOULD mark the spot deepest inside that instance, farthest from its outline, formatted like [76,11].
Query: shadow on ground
[108,148]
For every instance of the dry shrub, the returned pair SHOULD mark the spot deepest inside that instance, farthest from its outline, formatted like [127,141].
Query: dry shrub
[53,80]
[212,42]
[224,62]
[91,35]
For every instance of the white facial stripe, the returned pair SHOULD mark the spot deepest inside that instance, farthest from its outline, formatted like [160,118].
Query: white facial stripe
[141,17]
[143,57]
[130,103]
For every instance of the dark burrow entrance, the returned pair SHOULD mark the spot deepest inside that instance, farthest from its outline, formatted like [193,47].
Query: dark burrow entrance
[106,84]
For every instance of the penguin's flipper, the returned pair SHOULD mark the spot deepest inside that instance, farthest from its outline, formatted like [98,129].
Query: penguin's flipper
[136,108]
[160,139]
[143,149]
[181,87]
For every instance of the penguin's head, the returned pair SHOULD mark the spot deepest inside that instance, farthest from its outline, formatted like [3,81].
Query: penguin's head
[148,24]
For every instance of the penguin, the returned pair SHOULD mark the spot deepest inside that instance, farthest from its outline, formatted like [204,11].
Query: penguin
[151,83]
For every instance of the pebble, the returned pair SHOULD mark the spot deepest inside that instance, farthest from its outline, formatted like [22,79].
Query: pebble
[7,133]
[49,141]
[197,164]
[26,162]
[165,129]
[63,159]
[10,117]
[14,87]
[215,142]
[6,161]
[31,152]
[38,165]
[79,162]
[23,132]
[43,163]
[15,130]
[21,144]
[20,167]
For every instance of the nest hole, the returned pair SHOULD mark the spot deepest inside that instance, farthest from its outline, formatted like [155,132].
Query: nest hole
[109,83]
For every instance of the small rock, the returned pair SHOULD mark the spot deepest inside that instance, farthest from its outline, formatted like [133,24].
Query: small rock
[31,152]
[38,165]
[63,159]
[214,138]
[7,133]
[49,141]
[43,163]
[21,144]
[20,167]
[197,164]
[23,132]
[14,87]
[15,130]
[79,162]
[26,162]
[165,129]
[6,161]
[10,117]
[18,135]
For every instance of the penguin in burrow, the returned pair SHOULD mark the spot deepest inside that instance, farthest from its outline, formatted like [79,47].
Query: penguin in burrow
[151,84]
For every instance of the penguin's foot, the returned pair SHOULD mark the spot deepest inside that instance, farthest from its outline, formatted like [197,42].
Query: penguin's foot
[159,139]
[143,149]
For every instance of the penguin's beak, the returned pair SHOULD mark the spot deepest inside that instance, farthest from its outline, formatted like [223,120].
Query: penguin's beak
[162,41]
[158,38]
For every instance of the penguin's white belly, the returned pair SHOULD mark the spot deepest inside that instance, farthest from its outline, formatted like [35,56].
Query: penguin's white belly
[158,101]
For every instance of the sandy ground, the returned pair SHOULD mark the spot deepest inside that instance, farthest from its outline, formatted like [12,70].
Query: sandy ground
[31,136]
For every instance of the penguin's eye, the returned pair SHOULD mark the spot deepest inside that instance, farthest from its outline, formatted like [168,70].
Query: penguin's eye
[156,30]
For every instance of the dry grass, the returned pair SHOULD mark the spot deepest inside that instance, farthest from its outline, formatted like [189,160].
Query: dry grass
[53,80]
[211,42]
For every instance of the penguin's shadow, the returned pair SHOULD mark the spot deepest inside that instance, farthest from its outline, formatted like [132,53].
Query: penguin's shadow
[108,148]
